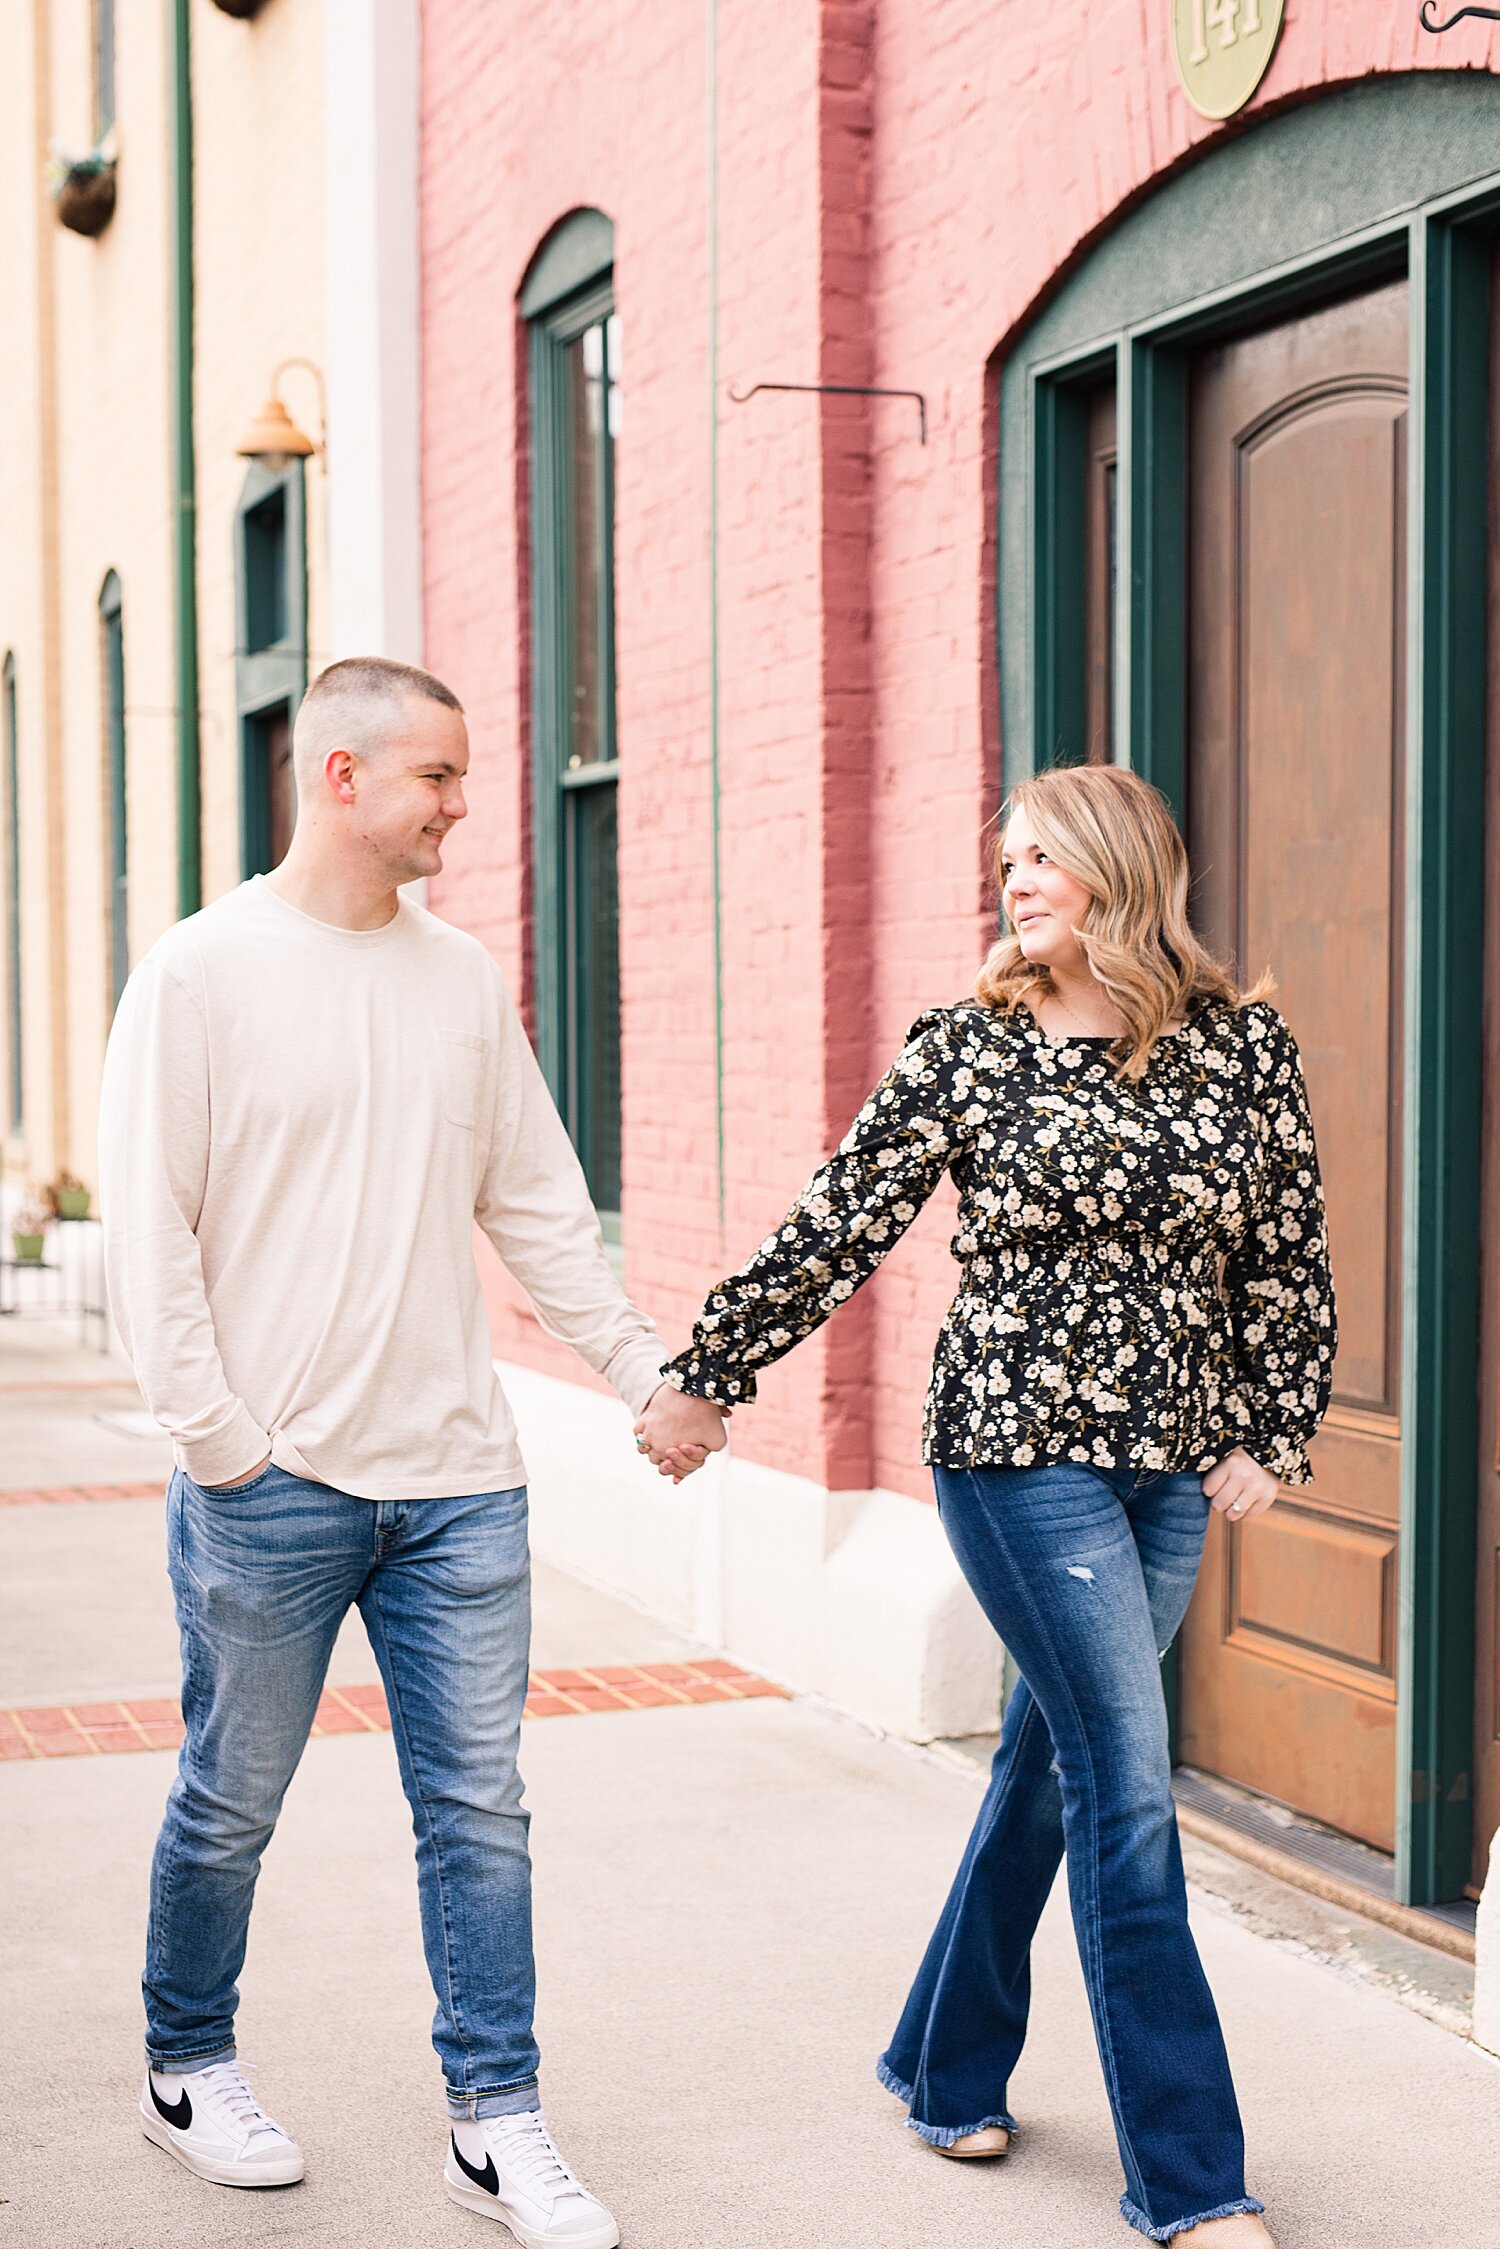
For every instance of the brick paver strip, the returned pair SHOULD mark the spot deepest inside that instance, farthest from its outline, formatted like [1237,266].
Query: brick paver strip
[105,1729]
[78,1495]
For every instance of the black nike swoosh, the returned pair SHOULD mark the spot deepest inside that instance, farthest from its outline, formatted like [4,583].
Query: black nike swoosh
[180,2113]
[487,2178]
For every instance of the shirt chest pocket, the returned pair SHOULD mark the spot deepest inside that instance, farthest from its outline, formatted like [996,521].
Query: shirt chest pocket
[465,1057]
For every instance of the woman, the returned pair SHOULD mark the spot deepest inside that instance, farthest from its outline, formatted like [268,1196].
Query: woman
[1144,1329]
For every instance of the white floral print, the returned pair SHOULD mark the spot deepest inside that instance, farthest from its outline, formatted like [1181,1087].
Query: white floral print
[1144,1268]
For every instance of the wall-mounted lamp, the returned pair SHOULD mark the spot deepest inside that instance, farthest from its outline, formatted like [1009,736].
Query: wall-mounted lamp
[273,438]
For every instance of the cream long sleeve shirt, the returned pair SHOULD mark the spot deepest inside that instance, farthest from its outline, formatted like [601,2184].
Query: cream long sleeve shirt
[300,1126]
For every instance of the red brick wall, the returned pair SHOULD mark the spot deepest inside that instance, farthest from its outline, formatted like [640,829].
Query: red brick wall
[897,187]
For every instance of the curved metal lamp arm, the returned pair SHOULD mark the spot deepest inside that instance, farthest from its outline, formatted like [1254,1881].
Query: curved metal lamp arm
[1457,17]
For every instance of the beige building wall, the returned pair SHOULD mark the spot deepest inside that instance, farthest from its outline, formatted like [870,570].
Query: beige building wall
[22,621]
[258,99]
[86,385]
[112,386]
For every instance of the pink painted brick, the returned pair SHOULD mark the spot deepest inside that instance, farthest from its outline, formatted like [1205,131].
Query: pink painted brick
[891,209]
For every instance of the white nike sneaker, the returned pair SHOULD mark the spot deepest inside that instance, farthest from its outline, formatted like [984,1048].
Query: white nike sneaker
[212,2123]
[506,2167]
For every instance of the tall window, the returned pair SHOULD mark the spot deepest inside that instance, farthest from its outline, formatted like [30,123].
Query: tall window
[575,425]
[104,67]
[270,666]
[112,630]
[10,783]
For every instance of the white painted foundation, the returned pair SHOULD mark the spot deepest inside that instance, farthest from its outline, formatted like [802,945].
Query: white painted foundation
[850,1595]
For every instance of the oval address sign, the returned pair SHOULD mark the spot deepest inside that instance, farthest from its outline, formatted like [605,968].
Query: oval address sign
[1224,49]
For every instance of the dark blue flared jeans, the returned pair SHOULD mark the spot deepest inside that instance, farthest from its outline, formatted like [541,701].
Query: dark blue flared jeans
[1085,1573]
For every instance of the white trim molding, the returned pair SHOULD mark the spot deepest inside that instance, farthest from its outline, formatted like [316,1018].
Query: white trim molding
[372,203]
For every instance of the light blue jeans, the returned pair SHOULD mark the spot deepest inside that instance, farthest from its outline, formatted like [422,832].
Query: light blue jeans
[1085,1573]
[264,1574]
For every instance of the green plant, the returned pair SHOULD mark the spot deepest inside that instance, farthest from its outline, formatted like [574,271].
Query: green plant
[28,1227]
[68,1196]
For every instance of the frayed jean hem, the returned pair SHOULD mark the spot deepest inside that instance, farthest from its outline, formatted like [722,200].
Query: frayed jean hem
[1247,2206]
[939,2135]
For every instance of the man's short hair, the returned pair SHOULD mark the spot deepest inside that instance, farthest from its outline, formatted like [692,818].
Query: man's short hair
[356,704]
[381,679]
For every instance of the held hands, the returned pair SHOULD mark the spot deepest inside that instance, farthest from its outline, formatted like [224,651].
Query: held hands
[1239,1487]
[677,1433]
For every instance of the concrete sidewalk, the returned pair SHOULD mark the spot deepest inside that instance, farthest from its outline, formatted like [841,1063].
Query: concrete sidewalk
[730,1902]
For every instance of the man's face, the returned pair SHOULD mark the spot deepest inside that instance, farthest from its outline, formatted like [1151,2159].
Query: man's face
[408,795]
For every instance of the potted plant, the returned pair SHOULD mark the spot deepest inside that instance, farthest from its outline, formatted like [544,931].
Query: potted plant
[69,1196]
[244,9]
[28,1228]
[83,187]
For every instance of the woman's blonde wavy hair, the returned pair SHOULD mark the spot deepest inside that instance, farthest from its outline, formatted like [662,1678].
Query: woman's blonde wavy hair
[1114,834]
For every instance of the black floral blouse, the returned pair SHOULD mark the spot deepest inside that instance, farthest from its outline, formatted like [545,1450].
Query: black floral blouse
[1144,1267]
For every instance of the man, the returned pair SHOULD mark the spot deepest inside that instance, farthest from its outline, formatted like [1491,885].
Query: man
[313,1090]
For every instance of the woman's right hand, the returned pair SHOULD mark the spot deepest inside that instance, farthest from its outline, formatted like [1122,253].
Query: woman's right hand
[676,1433]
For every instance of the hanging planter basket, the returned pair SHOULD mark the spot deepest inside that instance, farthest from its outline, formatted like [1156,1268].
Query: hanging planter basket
[242,9]
[86,198]
[83,188]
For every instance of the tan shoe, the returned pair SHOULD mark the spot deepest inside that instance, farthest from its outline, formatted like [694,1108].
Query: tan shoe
[1243,2231]
[978,2147]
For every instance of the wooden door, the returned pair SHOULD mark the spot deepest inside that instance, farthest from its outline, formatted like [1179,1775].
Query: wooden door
[1298,544]
[1487,1572]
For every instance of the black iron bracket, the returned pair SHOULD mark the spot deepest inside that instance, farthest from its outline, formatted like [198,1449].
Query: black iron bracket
[839,390]
[1457,17]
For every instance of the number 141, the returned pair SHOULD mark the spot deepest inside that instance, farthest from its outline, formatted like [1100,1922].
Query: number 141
[1229,18]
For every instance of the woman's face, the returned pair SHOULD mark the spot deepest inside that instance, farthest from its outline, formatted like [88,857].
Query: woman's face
[1043,904]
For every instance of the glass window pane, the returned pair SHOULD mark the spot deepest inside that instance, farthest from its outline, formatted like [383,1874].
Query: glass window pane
[281,783]
[593,985]
[270,788]
[592,361]
[1101,567]
[265,572]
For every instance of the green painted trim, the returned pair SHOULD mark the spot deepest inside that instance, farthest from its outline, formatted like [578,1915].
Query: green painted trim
[1153,423]
[15,1025]
[563,823]
[184,470]
[1269,207]
[715,790]
[550,510]
[1450,268]
[579,252]
[112,622]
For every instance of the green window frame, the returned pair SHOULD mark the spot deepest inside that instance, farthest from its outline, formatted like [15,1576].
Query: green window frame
[1391,176]
[11,782]
[116,781]
[573,399]
[270,659]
